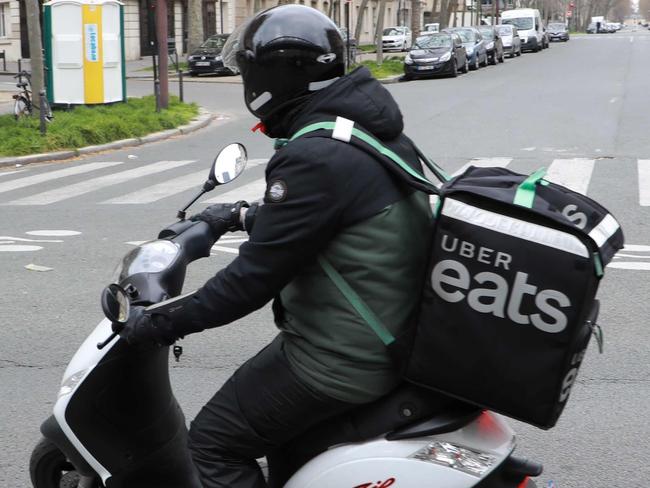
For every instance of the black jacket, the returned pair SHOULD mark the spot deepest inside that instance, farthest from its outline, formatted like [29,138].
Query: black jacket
[315,187]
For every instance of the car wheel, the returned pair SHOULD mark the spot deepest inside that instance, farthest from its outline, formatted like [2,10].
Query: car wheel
[486,61]
[465,67]
[193,74]
[493,58]
[454,69]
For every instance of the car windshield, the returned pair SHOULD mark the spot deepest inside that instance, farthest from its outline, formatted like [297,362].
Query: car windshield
[433,41]
[505,30]
[467,35]
[214,42]
[488,34]
[522,23]
[391,31]
[557,27]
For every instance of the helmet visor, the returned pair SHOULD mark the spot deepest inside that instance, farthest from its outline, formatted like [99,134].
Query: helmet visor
[232,46]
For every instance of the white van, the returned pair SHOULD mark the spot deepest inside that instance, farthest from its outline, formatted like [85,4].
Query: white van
[529,25]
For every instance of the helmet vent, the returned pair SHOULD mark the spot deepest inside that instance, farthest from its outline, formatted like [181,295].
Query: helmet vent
[326,58]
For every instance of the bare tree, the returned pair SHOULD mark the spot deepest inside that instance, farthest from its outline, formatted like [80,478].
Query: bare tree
[32,11]
[416,19]
[194,24]
[362,12]
[379,31]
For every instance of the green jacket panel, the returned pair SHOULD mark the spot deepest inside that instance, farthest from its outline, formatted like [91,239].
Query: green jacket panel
[384,260]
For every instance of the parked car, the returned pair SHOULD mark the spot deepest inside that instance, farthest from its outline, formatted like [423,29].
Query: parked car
[510,38]
[592,28]
[396,38]
[557,31]
[207,58]
[493,43]
[433,27]
[529,25]
[474,46]
[436,54]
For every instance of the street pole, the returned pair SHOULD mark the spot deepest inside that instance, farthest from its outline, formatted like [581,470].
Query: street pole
[163,61]
[221,14]
[347,29]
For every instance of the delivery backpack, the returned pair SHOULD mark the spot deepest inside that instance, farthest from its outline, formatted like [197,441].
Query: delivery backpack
[508,306]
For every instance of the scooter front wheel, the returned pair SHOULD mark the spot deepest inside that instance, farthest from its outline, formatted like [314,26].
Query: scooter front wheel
[49,468]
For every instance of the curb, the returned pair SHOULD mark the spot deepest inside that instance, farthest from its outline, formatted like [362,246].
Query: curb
[202,120]
[390,80]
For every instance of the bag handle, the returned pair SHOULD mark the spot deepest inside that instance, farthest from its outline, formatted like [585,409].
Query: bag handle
[356,301]
[525,194]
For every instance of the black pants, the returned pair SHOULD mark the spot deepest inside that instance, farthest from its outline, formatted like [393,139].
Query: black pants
[257,411]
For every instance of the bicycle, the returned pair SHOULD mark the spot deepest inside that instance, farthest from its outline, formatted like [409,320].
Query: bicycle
[23,105]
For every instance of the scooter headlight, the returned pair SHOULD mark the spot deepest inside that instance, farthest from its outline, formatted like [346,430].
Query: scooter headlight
[70,383]
[453,456]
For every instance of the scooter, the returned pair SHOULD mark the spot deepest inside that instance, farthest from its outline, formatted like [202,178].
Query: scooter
[117,424]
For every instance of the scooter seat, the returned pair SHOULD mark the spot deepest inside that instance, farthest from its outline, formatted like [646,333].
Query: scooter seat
[408,411]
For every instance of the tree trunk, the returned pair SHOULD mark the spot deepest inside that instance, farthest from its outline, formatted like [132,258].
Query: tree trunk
[444,14]
[416,21]
[32,12]
[379,32]
[362,12]
[196,36]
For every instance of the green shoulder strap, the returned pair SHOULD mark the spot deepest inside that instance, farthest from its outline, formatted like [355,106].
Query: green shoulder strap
[525,195]
[376,145]
[356,301]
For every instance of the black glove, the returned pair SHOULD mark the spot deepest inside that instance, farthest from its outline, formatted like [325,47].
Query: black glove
[146,328]
[222,217]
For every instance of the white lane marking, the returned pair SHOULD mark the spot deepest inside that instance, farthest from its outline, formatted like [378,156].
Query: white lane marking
[629,265]
[249,192]
[162,190]
[171,187]
[528,148]
[636,248]
[52,175]
[22,239]
[5,173]
[93,184]
[485,163]
[53,233]
[613,100]
[18,248]
[230,250]
[572,173]
[631,39]
[644,182]
[636,256]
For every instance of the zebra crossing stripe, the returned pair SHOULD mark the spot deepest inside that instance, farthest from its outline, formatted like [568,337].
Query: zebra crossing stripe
[52,175]
[93,184]
[249,192]
[575,174]
[644,182]
[484,163]
[161,190]
[5,173]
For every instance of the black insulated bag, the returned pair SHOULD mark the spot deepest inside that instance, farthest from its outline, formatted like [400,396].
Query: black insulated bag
[508,306]
[505,315]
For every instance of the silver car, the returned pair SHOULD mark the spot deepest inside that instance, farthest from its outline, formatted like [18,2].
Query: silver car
[510,38]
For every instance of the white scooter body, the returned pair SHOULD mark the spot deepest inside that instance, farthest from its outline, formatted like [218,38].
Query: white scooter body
[376,463]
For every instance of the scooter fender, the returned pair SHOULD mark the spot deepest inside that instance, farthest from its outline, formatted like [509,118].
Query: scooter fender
[380,463]
[81,365]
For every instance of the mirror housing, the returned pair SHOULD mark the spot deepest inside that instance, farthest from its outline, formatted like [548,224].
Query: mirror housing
[229,164]
[116,304]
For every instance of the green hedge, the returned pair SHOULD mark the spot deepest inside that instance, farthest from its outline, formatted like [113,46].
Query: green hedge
[91,125]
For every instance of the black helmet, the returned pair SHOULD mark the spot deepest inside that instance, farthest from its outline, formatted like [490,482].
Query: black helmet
[283,54]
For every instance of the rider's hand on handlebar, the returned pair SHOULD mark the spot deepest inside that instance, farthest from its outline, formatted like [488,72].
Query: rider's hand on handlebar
[223,217]
[146,328]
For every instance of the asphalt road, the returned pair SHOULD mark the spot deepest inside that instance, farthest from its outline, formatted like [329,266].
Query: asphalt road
[580,107]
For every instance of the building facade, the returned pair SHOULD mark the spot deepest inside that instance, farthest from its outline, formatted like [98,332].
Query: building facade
[219,16]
